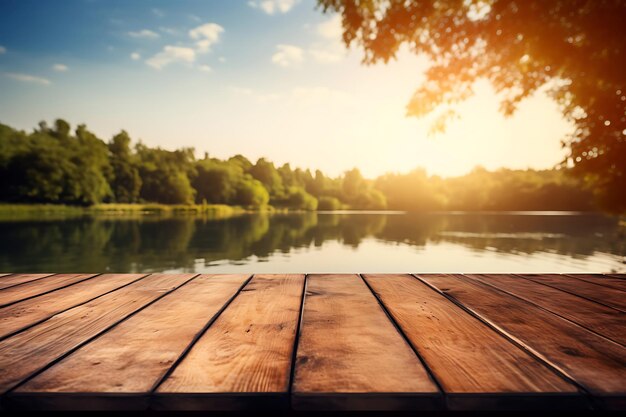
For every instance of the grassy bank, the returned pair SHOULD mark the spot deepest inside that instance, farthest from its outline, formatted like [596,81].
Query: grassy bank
[35,211]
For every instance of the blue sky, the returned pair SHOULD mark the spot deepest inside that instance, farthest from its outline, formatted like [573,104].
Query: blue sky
[261,78]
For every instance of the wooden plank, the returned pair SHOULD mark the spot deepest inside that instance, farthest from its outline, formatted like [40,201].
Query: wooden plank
[599,279]
[30,351]
[126,362]
[16,279]
[620,276]
[476,366]
[592,361]
[38,287]
[608,296]
[603,320]
[31,311]
[350,355]
[244,358]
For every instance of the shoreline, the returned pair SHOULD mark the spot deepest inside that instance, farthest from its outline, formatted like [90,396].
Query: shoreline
[10,211]
[19,211]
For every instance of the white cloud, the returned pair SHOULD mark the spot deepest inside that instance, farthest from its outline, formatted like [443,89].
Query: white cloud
[135,56]
[331,29]
[288,55]
[221,59]
[330,49]
[172,54]
[144,34]
[3,50]
[273,6]
[206,35]
[60,67]
[27,78]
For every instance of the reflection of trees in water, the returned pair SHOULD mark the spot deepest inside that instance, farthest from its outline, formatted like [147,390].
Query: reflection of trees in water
[148,245]
[577,235]
[95,245]
[285,232]
[152,244]
[32,246]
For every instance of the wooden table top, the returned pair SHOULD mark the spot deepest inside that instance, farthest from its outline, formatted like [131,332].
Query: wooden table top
[313,341]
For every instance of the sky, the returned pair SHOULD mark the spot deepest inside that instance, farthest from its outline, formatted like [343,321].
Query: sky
[261,78]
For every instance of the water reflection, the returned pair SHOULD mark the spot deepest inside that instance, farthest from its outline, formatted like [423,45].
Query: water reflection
[318,242]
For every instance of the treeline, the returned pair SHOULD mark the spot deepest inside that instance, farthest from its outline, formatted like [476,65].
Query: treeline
[482,190]
[54,164]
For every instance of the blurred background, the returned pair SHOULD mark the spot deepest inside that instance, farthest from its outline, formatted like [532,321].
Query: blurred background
[312,136]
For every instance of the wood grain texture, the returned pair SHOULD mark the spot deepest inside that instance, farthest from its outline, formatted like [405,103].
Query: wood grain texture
[603,320]
[133,356]
[29,351]
[492,342]
[34,288]
[598,279]
[590,360]
[28,312]
[469,359]
[620,276]
[247,350]
[350,353]
[16,279]
[608,296]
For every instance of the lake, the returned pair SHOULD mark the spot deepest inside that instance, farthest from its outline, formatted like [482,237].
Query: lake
[319,242]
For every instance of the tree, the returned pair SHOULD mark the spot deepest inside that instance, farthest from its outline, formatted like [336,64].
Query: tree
[216,181]
[165,175]
[298,198]
[318,184]
[370,199]
[92,167]
[61,129]
[328,203]
[359,194]
[52,166]
[242,161]
[126,182]
[266,172]
[251,193]
[352,184]
[414,191]
[37,172]
[575,48]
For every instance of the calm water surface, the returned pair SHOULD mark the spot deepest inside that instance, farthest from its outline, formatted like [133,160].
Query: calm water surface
[319,242]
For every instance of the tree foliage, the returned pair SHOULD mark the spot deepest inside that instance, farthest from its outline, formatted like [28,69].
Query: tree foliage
[165,175]
[52,165]
[574,48]
[126,181]
[482,190]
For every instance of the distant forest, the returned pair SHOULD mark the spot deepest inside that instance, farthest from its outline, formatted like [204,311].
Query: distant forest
[54,165]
